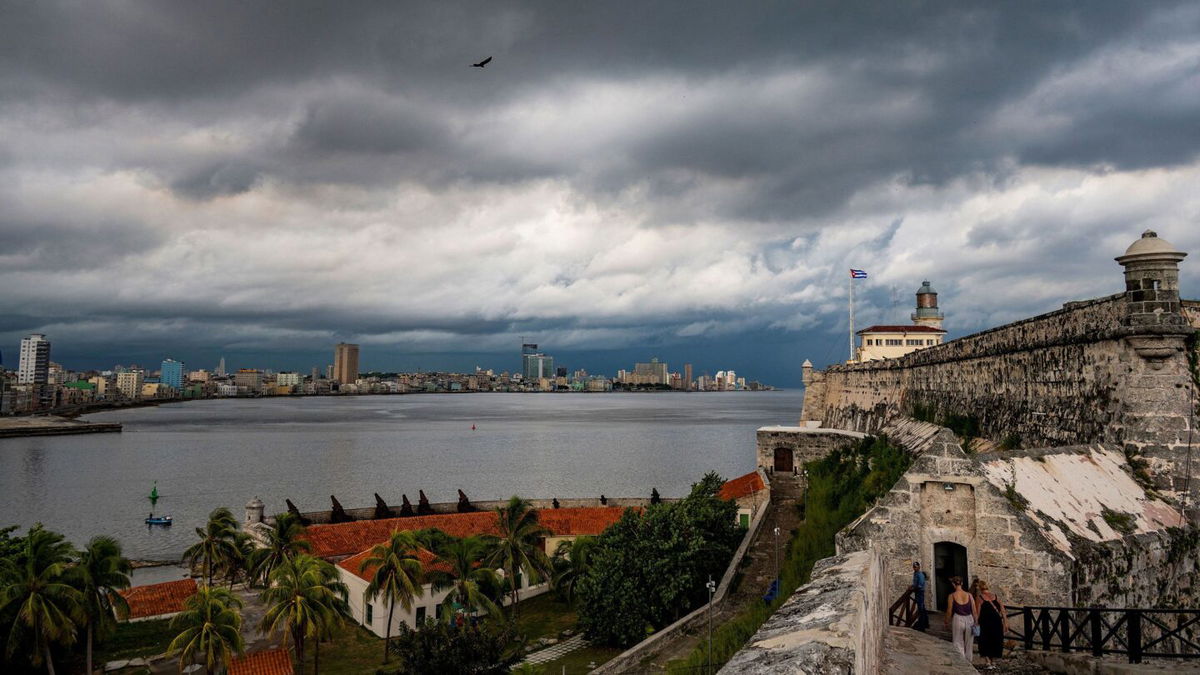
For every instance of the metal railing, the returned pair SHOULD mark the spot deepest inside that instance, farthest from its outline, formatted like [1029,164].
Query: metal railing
[1134,632]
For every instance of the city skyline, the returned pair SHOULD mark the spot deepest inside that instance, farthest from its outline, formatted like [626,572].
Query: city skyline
[345,176]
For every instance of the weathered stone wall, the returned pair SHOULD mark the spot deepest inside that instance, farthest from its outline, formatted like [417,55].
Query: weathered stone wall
[803,444]
[1158,569]
[1003,545]
[833,624]
[1077,375]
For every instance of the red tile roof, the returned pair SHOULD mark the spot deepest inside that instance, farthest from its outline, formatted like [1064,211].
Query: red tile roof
[353,564]
[901,329]
[270,662]
[741,486]
[349,538]
[156,599]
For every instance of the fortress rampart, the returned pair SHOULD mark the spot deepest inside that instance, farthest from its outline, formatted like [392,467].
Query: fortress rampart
[1109,370]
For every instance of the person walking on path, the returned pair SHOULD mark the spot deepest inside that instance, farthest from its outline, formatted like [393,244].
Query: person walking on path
[960,605]
[918,589]
[993,624]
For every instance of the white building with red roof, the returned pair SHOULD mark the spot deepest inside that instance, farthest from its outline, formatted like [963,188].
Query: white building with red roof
[349,545]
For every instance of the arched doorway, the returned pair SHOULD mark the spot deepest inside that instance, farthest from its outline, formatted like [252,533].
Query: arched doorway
[949,560]
[783,460]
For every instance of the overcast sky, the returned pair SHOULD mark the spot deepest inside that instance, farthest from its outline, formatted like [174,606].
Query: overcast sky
[689,180]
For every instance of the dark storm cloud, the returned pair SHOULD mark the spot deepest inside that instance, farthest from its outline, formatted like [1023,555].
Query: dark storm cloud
[645,173]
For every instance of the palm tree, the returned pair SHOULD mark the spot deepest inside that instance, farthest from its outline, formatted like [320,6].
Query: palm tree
[218,544]
[210,628]
[284,540]
[398,576]
[100,573]
[519,545]
[304,599]
[571,561]
[471,584]
[46,609]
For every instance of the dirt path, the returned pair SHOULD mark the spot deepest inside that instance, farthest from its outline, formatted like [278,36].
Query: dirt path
[786,492]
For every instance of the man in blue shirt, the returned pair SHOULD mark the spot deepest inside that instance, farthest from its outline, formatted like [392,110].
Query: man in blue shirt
[918,589]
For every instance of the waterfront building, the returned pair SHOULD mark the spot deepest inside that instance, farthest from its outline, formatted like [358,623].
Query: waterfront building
[198,376]
[654,372]
[34,366]
[890,342]
[288,379]
[129,383]
[171,373]
[536,365]
[345,363]
[249,378]
[349,544]
[102,384]
[687,376]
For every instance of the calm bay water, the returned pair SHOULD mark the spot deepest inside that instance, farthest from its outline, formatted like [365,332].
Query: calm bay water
[213,453]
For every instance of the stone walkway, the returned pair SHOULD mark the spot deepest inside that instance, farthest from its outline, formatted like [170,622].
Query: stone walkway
[557,651]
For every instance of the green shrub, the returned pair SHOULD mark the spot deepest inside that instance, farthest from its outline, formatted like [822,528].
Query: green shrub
[841,487]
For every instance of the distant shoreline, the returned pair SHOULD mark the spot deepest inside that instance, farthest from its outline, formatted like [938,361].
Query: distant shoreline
[77,411]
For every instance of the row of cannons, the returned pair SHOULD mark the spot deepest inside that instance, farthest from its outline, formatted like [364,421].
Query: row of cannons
[338,513]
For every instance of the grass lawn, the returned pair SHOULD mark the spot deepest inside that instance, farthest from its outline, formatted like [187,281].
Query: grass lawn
[134,639]
[353,651]
[544,616]
[577,661]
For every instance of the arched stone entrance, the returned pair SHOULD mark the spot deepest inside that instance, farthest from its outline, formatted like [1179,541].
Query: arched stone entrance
[783,460]
[949,560]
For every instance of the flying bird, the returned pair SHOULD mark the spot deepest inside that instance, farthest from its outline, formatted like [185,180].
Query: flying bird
[482,63]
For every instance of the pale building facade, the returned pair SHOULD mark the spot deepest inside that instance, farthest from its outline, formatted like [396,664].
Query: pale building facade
[34,366]
[129,383]
[890,342]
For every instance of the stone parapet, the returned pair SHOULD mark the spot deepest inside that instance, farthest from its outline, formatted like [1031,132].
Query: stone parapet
[1074,376]
[833,624]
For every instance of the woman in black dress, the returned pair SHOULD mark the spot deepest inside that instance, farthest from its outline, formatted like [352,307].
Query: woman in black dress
[993,624]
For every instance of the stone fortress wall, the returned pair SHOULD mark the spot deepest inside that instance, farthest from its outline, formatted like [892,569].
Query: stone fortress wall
[1109,370]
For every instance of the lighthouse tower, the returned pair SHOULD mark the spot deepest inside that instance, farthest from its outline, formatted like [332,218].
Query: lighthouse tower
[927,313]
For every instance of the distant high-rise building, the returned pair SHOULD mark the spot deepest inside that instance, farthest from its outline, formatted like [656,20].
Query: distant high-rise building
[537,366]
[534,364]
[654,372]
[345,363]
[171,373]
[220,367]
[34,367]
[687,376]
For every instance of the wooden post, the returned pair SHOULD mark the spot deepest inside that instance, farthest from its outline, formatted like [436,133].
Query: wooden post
[1097,633]
[1064,629]
[1027,615]
[1047,633]
[1133,624]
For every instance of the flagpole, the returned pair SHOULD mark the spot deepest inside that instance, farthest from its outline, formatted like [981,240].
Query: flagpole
[852,316]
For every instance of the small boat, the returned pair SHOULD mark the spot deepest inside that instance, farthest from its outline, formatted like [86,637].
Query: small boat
[158,520]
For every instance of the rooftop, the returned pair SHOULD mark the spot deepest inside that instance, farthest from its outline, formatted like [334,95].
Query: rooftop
[157,599]
[742,486]
[270,662]
[1070,489]
[900,329]
[353,564]
[343,539]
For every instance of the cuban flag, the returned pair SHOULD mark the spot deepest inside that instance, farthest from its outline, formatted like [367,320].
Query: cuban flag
[857,274]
